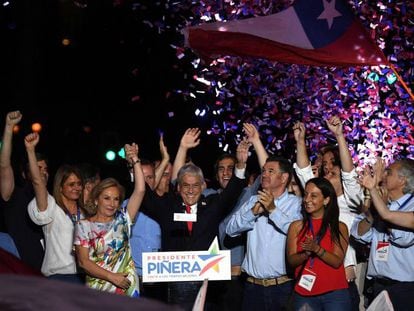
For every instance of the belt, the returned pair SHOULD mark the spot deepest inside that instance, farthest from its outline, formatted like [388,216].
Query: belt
[235,270]
[269,282]
[385,281]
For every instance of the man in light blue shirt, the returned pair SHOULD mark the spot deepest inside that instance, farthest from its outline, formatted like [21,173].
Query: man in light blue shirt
[236,245]
[390,265]
[146,237]
[7,243]
[266,218]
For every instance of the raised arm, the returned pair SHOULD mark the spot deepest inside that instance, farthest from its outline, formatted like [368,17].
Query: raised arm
[402,219]
[253,137]
[134,203]
[165,160]
[371,182]
[190,139]
[6,170]
[335,126]
[242,154]
[39,183]
[302,158]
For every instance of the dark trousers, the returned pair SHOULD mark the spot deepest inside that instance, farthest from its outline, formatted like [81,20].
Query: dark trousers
[354,295]
[69,278]
[401,293]
[157,291]
[184,294]
[337,300]
[233,294]
[275,297]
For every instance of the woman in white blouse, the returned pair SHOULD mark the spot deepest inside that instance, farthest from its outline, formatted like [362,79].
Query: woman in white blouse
[57,215]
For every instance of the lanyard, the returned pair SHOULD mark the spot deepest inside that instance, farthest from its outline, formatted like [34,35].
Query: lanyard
[399,208]
[312,259]
[74,218]
[406,202]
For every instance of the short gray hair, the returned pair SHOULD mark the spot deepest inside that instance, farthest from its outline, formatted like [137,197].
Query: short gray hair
[190,169]
[406,169]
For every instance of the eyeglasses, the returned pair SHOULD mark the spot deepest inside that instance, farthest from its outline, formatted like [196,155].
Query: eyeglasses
[187,187]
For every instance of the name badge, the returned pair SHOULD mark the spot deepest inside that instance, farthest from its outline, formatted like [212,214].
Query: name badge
[185,217]
[382,251]
[307,280]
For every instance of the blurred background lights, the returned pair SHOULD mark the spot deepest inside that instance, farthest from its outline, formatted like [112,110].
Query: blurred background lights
[65,42]
[36,127]
[16,129]
[121,153]
[87,129]
[110,155]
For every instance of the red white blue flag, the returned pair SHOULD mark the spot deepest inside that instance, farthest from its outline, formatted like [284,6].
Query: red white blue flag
[311,32]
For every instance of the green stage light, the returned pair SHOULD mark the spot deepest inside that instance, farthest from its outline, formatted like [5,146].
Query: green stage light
[110,155]
[121,153]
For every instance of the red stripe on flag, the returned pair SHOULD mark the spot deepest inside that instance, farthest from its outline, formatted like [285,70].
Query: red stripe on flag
[210,44]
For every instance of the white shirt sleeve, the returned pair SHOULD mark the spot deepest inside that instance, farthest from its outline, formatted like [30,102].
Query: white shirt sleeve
[352,189]
[304,174]
[42,217]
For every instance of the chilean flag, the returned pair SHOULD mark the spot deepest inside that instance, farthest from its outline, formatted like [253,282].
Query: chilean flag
[311,32]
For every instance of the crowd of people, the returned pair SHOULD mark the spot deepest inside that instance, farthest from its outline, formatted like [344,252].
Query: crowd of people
[343,237]
[295,231]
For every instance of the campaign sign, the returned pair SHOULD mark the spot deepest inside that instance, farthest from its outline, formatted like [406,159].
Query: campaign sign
[213,264]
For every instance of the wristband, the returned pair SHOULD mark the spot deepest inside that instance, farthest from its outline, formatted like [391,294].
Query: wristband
[131,165]
[319,249]
[323,253]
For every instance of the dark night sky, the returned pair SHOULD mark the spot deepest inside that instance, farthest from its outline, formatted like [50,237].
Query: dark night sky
[112,59]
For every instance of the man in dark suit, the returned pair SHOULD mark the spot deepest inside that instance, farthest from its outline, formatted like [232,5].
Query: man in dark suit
[198,234]
[181,236]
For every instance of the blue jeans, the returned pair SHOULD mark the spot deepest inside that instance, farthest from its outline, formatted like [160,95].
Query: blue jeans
[258,297]
[69,278]
[337,300]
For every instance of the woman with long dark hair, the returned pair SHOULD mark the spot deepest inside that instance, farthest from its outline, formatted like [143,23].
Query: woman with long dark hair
[316,247]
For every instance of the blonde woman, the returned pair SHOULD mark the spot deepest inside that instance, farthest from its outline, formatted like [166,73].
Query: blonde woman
[102,239]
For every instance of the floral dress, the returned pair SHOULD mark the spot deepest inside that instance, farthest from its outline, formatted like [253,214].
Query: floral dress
[109,248]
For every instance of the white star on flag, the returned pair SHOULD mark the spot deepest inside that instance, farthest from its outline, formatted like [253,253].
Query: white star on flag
[296,35]
[329,12]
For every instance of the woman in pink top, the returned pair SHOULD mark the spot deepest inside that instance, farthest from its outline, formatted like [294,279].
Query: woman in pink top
[316,248]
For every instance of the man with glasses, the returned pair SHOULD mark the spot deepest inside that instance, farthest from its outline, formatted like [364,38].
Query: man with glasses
[266,218]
